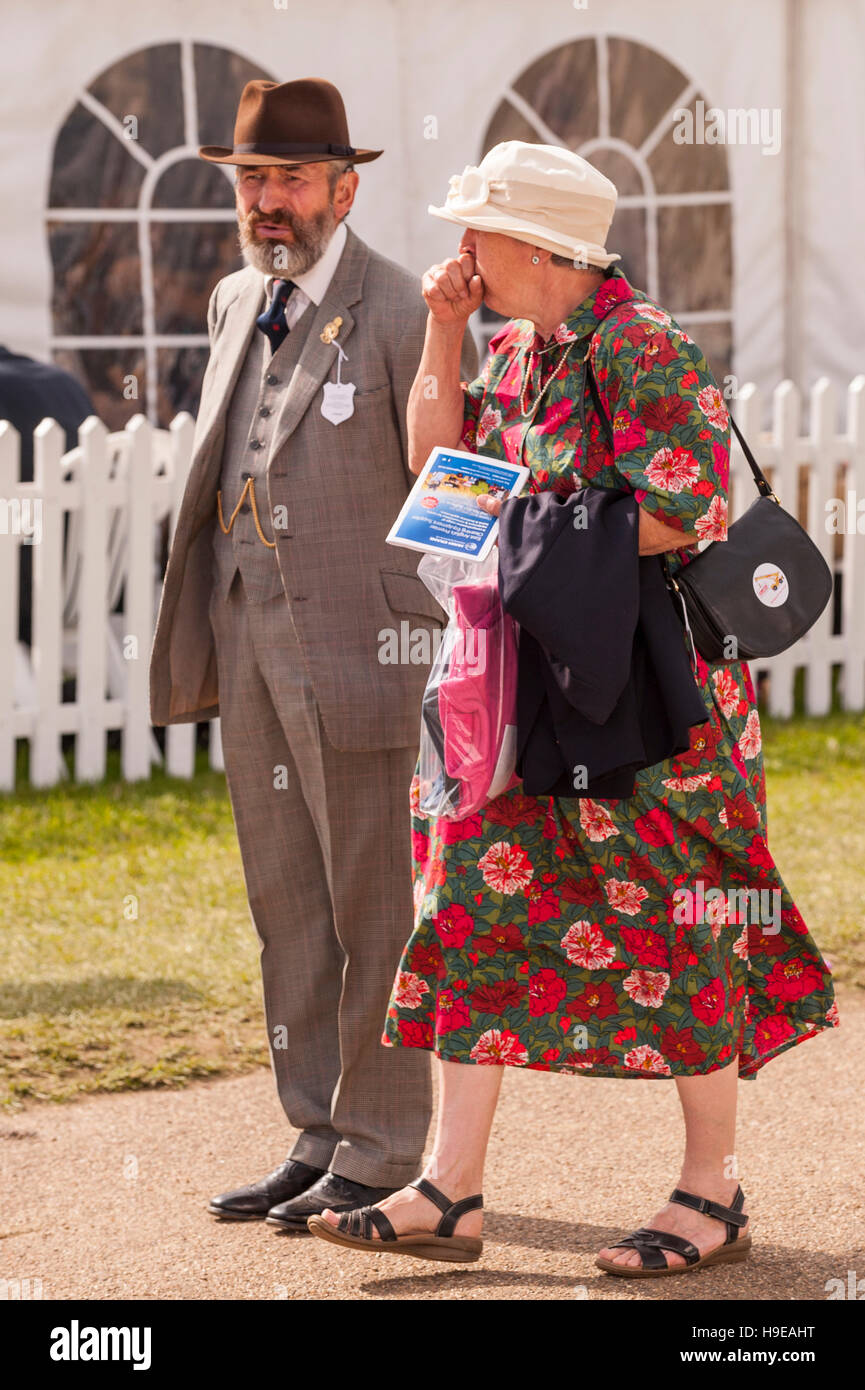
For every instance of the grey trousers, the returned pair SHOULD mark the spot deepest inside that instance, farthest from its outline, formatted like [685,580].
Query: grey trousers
[324,841]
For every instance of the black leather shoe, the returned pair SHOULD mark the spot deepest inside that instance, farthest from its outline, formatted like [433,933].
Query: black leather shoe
[341,1194]
[253,1203]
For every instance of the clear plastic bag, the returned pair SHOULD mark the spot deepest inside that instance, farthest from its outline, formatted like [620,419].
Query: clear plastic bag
[468,724]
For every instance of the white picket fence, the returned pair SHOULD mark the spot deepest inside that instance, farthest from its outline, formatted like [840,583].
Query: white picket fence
[809,472]
[136,474]
[140,473]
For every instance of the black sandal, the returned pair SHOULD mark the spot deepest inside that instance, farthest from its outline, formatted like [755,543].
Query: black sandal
[354,1230]
[650,1243]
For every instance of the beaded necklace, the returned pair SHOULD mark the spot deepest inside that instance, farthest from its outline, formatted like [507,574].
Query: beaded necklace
[527,377]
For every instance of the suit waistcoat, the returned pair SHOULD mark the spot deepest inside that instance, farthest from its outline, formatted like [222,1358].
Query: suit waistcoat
[250,421]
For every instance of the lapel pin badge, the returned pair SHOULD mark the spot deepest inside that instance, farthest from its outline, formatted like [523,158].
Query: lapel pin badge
[330,331]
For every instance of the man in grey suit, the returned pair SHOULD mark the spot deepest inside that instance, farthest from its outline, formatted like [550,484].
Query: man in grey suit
[278,596]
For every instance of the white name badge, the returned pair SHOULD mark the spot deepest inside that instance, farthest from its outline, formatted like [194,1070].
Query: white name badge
[337,403]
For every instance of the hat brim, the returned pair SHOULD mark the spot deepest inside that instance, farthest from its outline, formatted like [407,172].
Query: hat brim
[224,154]
[495,220]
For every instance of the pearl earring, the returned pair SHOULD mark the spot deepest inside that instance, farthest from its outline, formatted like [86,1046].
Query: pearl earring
[535,260]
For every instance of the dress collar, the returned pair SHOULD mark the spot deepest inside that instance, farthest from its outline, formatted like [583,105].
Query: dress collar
[585,318]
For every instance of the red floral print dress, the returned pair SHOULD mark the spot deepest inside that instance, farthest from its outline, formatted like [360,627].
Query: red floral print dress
[643,937]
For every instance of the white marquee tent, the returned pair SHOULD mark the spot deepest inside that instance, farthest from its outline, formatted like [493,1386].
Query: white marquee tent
[757,246]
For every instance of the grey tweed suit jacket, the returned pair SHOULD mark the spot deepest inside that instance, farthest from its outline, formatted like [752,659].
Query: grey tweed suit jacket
[341,487]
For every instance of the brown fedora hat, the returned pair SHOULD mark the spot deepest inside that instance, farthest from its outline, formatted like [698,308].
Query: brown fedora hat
[289,123]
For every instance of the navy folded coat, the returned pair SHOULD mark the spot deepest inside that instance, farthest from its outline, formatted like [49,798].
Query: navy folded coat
[605,681]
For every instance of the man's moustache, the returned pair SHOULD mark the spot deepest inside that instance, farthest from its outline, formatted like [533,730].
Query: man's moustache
[270,222]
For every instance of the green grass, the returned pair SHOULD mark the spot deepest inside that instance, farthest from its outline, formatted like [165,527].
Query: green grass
[128,955]
[128,958]
[815,780]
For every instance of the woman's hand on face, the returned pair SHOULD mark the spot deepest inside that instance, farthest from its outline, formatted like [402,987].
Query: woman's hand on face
[453,290]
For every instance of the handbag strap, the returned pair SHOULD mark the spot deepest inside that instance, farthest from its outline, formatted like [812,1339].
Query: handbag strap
[763,486]
[669,578]
[589,379]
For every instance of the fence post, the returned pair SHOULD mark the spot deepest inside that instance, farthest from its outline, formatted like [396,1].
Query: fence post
[785,439]
[817,645]
[853,616]
[9,543]
[180,738]
[216,757]
[138,599]
[49,442]
[92,644]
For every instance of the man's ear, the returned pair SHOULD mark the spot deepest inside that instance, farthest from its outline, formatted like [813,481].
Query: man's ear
[346,188]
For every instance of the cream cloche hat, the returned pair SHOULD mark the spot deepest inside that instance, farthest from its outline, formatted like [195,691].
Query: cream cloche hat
[547,196]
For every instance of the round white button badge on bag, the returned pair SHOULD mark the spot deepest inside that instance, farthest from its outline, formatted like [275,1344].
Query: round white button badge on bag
[770,585]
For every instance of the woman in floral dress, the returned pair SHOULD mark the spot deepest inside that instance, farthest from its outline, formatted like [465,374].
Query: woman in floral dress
[577,935]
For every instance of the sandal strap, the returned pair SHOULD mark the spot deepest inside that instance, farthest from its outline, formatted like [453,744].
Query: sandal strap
[452,1210]
[447,1225]
[732,1216]
[378,1219]
[649,1243]
[435,1196]
[347,1222]
[360,1221]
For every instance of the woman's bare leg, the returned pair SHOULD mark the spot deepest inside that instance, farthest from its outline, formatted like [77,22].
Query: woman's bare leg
[709,1110]
[468,1095]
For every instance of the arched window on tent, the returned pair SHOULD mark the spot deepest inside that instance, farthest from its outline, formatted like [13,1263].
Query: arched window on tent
[616,103]
[140,229]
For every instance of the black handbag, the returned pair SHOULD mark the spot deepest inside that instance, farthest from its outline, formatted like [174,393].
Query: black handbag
[760,590]
[757,592]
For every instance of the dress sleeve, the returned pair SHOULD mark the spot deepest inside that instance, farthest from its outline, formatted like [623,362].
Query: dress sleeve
[474,392]
[670,424]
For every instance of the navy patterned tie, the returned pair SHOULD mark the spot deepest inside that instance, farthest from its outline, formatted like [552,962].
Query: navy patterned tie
[272,322]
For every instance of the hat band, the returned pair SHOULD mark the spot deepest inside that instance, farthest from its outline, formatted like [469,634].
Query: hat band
[259,147]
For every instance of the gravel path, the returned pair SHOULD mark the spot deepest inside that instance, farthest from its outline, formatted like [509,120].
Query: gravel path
[105,1198]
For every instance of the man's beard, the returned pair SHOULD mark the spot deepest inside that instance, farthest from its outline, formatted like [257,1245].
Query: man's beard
[286,258]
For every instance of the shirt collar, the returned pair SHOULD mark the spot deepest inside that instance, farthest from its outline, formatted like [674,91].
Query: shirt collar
[583,321]
[315,281]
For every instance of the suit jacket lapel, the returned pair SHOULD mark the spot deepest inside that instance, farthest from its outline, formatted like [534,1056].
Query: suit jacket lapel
[318,358]
[241,312]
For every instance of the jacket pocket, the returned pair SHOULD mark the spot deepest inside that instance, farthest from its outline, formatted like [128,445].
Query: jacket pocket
[372,394]
[405,593]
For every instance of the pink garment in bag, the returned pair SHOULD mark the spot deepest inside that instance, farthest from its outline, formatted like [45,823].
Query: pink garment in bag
[477,696]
